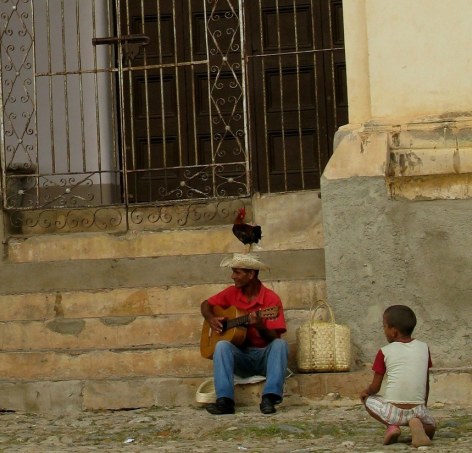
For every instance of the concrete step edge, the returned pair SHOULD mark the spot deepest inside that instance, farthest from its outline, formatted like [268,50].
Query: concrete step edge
[151,272]
[146,244]
[452,387]
[125,303]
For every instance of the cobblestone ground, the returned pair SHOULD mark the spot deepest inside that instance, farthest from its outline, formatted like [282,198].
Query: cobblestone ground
[323,426]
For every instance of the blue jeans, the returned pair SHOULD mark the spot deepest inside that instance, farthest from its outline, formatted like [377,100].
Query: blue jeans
[270,362]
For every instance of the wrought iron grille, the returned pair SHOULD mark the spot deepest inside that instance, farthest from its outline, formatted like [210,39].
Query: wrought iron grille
[124,114]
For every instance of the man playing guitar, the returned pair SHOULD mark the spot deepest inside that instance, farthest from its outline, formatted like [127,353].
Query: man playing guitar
[262,351]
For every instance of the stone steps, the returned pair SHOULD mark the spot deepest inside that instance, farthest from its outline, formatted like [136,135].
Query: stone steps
[85,311]
[128,347]
[103,343]
[85,344]
[93,321]
[81,326]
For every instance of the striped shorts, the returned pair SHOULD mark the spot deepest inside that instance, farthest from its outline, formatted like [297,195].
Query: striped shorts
[393,415]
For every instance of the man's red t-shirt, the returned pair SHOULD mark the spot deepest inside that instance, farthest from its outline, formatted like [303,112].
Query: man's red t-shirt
[233,296]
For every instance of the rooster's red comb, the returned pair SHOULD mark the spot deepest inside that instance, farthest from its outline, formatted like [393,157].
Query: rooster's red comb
[242,212]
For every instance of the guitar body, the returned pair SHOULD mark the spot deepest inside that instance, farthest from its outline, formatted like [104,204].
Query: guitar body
[209,338]
[234,329]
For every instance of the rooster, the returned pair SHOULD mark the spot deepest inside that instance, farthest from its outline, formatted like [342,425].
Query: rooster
[247,234]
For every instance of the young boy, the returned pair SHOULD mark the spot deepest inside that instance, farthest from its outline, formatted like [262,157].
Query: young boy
[406,362]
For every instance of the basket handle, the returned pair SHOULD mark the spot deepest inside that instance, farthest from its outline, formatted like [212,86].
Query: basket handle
[314,307]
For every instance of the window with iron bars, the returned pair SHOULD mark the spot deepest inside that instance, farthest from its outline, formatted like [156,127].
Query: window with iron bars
[114,110]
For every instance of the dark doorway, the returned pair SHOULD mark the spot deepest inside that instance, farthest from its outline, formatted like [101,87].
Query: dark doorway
[298,90]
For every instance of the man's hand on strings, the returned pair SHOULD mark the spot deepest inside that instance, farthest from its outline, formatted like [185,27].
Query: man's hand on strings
[255,319]
[216,323]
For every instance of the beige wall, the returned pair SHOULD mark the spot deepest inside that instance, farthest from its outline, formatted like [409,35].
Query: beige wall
[410,97]
[407,59]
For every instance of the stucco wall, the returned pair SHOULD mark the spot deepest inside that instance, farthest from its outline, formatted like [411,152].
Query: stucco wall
[382,249]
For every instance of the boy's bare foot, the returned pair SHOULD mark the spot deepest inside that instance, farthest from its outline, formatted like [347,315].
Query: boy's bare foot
[392,434]
[418,435]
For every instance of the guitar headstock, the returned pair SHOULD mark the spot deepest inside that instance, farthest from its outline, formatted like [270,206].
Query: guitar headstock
[269,312]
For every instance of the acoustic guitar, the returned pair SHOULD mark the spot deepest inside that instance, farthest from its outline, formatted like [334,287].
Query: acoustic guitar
[234,329]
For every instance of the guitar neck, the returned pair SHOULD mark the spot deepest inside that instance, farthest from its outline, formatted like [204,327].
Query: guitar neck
[235,322]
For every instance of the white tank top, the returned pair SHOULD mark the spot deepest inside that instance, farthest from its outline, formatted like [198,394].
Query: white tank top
[407,370]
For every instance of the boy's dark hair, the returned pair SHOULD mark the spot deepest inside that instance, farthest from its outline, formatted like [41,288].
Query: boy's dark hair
[401,317]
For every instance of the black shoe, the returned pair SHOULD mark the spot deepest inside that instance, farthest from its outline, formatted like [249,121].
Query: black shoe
[267,405]
[221,407]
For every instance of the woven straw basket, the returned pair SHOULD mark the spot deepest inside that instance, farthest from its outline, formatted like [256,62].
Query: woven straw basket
[323,346]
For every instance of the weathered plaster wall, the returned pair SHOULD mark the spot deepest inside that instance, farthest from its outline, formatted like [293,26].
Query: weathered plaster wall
[384,246]
[381,252]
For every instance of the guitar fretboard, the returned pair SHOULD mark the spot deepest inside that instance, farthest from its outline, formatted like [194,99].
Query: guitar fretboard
[235,322]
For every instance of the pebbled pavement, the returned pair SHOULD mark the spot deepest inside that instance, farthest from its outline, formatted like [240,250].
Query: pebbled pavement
[318,426]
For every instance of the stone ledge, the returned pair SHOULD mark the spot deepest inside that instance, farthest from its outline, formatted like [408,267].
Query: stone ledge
[105,364]
[451,387]
[88,246]
[142,301]
[427,160]
[21,278]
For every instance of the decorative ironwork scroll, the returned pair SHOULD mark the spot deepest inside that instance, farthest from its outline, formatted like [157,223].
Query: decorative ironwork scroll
[228,110]
[20,153]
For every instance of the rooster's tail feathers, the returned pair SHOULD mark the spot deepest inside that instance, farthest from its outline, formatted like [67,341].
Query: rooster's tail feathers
[257,233]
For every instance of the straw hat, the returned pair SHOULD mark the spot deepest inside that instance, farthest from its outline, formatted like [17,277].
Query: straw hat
[244,261]
[206,392]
